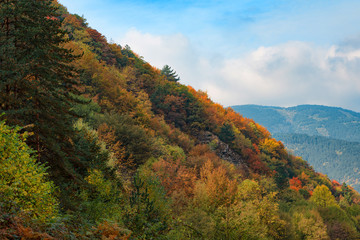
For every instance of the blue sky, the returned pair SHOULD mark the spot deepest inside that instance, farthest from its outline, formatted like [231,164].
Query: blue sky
[269,52]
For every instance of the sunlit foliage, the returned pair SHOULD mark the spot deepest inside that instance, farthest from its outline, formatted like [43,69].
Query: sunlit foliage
[151,158]
[23,181]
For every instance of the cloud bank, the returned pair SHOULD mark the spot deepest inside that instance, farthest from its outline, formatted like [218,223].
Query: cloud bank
[286,74]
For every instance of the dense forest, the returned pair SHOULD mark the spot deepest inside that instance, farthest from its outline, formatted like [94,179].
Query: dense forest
[95,143]
[327,137]
[336,158]
[312,120]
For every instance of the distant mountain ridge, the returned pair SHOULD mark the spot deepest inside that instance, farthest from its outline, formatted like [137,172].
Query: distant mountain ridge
[327,137]
[313,120]
[339,159]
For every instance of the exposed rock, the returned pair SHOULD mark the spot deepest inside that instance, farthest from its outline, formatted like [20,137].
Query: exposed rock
[222,149]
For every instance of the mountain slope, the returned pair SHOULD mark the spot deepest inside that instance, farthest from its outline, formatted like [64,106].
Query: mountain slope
[313,120]
[326,137]
[338,159]
[151,158]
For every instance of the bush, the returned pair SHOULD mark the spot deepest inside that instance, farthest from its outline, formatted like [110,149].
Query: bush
[23,182]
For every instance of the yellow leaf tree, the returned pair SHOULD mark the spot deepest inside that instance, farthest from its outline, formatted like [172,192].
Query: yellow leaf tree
[323,197]
[23,182]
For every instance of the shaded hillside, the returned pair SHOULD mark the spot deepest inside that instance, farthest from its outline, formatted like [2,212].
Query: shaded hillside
[313,120]
[338,159]
[306,129]
[108,147]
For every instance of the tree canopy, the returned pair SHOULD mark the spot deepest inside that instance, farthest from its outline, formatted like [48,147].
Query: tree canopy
[23,181]
[38,83]
[148,157]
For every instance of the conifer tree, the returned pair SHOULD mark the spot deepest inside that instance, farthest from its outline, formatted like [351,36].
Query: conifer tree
[227,133]
[170,74]
[38,84]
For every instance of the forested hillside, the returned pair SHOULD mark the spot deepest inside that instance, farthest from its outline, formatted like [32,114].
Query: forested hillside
[95,143]
[313,120]
[336,158]
[327,137]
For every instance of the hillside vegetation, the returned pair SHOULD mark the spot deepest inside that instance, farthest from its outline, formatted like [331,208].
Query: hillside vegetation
[109,147]
[336,158]
[313,120]
[326,137]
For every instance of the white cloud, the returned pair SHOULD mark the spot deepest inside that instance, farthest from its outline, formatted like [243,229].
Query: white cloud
[287,74]
[173,50]
[158,49]
[296,73]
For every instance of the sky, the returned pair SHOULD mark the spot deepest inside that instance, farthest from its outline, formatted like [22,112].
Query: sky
[267,52]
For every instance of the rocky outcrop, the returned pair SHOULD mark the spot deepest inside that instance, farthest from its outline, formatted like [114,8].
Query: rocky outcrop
[222,149]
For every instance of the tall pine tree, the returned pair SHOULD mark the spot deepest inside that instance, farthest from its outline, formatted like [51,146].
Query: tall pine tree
[37,81]
[169,74]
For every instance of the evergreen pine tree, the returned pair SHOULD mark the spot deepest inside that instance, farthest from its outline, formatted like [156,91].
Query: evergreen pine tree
[227,133]
[10,67]
[170,74]
[38,84]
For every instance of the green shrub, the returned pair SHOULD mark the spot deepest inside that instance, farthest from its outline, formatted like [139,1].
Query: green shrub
[23,182]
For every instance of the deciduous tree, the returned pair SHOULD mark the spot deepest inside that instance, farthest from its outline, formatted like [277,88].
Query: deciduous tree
[323,197]
[23,181]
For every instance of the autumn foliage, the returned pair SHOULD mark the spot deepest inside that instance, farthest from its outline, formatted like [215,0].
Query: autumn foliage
[137,165]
